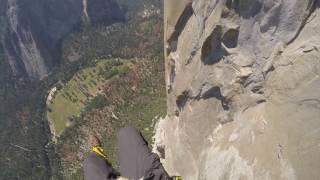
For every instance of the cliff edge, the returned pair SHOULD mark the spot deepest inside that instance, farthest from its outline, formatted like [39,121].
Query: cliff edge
[243,87]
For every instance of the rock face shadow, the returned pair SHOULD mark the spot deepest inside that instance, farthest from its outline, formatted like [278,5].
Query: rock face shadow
[212,50]
[182,21]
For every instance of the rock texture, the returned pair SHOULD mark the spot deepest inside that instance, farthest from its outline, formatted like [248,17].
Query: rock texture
[35,30]
[243,89]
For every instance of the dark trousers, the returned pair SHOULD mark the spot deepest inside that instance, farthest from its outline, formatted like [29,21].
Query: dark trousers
[135,158]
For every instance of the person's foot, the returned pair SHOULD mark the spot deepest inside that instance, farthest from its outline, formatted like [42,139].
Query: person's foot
[93,141]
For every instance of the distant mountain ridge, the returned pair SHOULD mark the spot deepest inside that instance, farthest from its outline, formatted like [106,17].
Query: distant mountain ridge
[36,28]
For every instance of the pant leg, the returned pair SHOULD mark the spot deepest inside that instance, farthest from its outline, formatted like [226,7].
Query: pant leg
[135,157]
[97,168]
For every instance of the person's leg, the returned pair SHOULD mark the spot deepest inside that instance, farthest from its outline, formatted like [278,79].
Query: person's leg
[97,168]
[135,157]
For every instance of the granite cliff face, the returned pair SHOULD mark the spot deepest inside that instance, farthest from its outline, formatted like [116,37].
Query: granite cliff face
[35,30]
[243,89]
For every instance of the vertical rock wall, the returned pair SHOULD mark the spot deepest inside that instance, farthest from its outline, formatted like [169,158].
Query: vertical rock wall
[243,89]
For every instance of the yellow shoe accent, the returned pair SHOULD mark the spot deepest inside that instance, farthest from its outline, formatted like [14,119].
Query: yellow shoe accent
[178,178]
[99,151]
